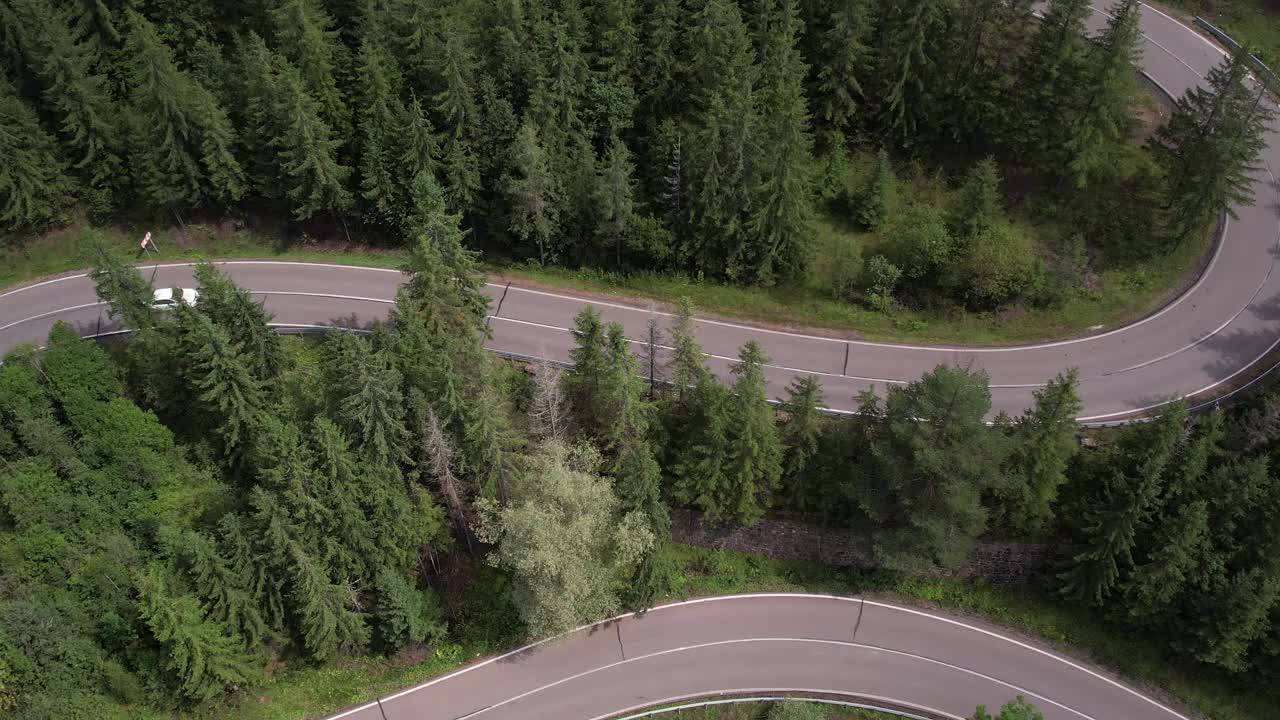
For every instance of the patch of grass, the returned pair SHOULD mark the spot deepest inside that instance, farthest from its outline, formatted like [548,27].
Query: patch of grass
[1254,23]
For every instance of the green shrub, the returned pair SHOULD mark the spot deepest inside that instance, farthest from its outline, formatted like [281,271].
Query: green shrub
[880,277]
[1000,264]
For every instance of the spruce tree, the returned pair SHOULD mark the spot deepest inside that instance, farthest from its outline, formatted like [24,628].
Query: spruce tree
[381,138]
[930,458]
[876,204]
[616,200]
[76,94]
[698,463]
[978,204]
[1210,147]
[723,117]
[246,323]
[584,383]
[34,190]
[220,375]
[117,283]
[906,66]
[371,404]
[327,611]
[311,177]
[305,38]
[533,195]
[802,432]
[420,147]
[837,55]
[687,364]
[1051,81]
[1107,531]
[1045,441]
[223,590]
[1105,119]
[405,614]
[782,207]
[205,656]
[453,271]
[755,451]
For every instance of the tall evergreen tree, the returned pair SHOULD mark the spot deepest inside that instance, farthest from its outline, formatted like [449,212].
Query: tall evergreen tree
[616,199]
[303,31]
[802,432]
[585,382]
[837,54]
[929,461]
[1105,118]
[220,376]
[1210,146]
[1044,443]
[1107,532]
[34,190]
[755,450]
[782,208]
[204,655]
[534,196]
[378,115]
[906,66]
[245,322]
[371,403]
[1052,79]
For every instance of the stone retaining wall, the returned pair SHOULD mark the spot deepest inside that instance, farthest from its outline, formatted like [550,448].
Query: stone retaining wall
[998,562]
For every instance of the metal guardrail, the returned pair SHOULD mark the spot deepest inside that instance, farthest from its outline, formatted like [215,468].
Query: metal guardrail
[1264,74]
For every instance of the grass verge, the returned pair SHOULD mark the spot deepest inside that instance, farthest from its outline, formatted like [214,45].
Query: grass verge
[486,624]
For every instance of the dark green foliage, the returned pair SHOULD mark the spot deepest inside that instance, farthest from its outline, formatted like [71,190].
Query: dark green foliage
[244,321]
[754,463]
[929,460]
[1209,148]
[406,614]
[1044,444]
[1016,709]
[220,376]
[802,432]
[34,190]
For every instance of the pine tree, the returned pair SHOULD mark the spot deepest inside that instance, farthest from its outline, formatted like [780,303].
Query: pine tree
[245,322]
[370,402]
[381,136]
[303,31]
[782,208]
[76,95]
[183,140]
[219,374]
[1210,147]
[1106,117]
[802,433]
[405,615]
[837,56]
[1108,529]
[431,221]
[905,64]
[533,195]
[930,458]
[615,199]
[34,190]
[1051,80]
[978,204]
[584,383]
[755,450]
[686,365]
[421,147]
[723,114]
[1044,443]
[205,656]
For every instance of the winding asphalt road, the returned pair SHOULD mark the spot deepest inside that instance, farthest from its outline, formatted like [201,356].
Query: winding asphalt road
[883,654]
[1206,338]
[1200,342]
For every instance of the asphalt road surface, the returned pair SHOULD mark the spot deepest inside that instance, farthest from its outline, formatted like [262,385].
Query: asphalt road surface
[1201,342]
[886,655]
[1209,336]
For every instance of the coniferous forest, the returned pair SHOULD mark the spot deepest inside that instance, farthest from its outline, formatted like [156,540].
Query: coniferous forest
[676,136]
[186,513]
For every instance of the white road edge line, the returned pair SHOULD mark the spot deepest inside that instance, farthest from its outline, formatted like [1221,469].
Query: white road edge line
[748,696]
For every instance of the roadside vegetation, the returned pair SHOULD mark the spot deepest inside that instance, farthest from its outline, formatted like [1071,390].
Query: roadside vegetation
[1253,23]
[805,157]
[796,710]
[213,516]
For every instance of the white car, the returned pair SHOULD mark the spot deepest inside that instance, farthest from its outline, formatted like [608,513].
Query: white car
[165,298]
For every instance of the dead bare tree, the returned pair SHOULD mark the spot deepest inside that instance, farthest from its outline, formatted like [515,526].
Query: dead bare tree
[440,462]
[547,418]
